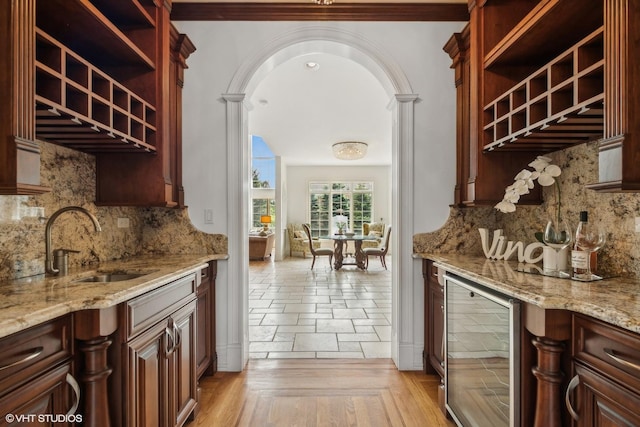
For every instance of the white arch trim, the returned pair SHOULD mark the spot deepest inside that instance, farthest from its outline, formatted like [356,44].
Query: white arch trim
[308,39]
[404,352]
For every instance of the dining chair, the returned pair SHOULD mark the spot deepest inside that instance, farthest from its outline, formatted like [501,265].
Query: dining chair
[317,251]
[380,251]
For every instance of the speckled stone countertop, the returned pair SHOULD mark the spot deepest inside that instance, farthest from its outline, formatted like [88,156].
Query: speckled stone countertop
[613,300]
[30,301]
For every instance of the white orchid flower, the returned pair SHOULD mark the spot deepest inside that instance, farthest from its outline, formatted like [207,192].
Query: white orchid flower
[540,163]
[524,181]
[547,176]
[505,206]
[519,187]
[512,196]
[527,177]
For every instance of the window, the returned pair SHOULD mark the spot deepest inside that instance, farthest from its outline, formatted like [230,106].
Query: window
[263,170]
[351,201]
[261,207]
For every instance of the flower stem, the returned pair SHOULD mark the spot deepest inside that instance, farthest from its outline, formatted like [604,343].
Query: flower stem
[558,199]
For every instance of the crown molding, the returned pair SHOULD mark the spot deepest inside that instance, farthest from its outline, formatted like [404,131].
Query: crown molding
[314,12]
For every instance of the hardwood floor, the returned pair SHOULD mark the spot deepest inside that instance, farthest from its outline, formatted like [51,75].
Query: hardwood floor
[312,392]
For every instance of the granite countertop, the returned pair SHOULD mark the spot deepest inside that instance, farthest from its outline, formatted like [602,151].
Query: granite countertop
[37,299]
[613,300]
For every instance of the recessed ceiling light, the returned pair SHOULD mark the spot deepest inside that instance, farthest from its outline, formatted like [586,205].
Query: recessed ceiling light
[312,66]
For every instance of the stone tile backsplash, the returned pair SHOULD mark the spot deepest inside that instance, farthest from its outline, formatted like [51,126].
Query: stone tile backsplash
[71,176]
[615,211]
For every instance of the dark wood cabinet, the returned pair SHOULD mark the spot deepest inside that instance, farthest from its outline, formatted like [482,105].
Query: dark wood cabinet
[536,76]
[206,357]
[606,388]
[434,326]
[147,368]
[620,147]
[458,49]
[97,76]
[19,150]
[153,180]
[158,366]
[602,402]
[37,376]
[182,378]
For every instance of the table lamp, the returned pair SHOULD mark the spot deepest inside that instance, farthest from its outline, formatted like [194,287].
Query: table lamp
[265,220]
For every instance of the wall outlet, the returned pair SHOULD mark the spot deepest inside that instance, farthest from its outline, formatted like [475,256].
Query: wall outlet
[123,222]
[208,216]
[638,224]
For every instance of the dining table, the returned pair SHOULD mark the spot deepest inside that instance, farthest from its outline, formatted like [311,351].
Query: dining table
[357,259]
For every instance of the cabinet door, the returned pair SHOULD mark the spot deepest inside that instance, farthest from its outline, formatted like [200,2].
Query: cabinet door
[146,382]
[602,402]
[44,401]
[203,342]
[182,366]
[436,327]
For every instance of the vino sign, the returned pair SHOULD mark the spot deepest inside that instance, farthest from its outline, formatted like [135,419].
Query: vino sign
[500,248]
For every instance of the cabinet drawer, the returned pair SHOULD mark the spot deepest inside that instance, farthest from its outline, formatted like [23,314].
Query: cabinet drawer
[48,393]
[148,309]
[608,349]
[25,355]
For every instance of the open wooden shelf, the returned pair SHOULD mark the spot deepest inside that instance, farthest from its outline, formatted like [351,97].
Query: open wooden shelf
[559,105]
[571,20]
[70,21]
[81,107]
[132,13]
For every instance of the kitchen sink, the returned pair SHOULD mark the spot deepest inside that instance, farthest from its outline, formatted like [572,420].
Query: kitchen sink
[113,276]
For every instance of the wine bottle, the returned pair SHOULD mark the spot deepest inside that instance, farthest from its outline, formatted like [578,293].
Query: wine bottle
[579,256]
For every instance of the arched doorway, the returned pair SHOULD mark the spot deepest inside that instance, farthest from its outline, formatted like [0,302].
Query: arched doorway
[339,42]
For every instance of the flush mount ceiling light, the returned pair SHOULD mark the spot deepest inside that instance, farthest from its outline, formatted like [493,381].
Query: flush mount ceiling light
[323,2]
[311,66]
[349,150]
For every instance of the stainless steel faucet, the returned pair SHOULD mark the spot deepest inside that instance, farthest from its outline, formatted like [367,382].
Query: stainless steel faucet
[58,263]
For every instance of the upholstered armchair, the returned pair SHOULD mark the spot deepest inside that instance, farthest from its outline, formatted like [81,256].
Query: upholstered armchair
[375,229]
[298,241]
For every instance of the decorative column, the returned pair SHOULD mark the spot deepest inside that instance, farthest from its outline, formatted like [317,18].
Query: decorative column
[94,380]
[237,195]
[20,160]
[550,327]
[549,376]
[92,329]
[402,213]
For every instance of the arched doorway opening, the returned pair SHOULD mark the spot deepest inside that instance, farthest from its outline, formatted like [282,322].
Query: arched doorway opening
[391,77]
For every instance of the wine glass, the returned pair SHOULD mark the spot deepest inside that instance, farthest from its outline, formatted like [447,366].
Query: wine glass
[590,241]
[557,235]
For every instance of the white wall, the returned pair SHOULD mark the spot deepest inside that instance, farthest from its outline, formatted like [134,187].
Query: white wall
[300,176]
[222,47]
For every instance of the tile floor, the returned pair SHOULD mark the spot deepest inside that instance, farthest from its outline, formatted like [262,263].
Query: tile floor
[295,312]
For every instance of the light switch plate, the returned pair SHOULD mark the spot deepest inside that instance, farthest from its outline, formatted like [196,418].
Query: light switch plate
[638,224]
[123,222]
[208,216]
